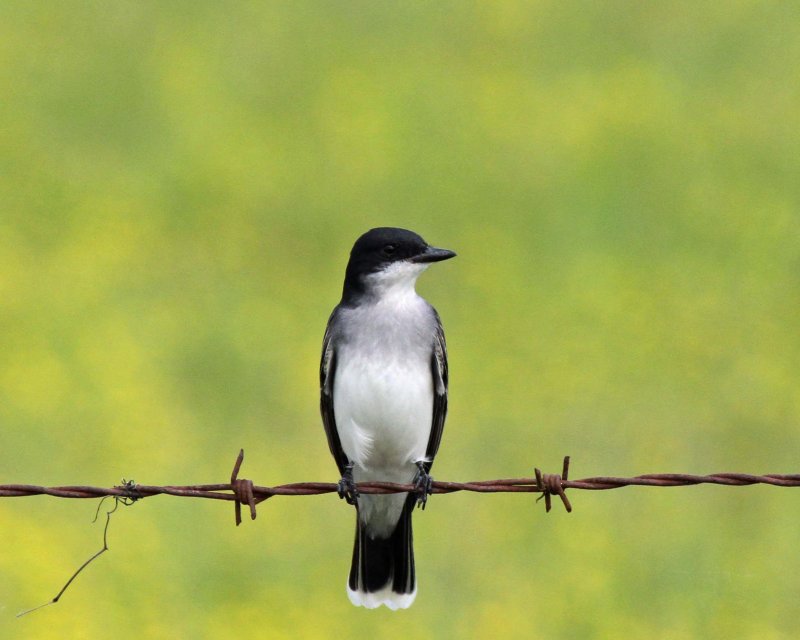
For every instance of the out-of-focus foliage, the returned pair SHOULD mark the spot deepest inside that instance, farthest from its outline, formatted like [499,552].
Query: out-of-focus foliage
[180,183]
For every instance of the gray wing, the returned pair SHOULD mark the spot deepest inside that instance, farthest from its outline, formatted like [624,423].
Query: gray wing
[327,373]
[439,372]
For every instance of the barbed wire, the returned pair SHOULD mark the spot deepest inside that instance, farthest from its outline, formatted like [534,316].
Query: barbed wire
[243,491]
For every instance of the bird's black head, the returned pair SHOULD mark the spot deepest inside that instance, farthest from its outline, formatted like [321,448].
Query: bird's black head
[380,248]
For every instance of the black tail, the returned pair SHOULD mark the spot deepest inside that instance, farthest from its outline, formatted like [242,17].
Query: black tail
[382,571]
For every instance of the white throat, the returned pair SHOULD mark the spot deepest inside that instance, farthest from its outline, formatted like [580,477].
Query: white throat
[395,281]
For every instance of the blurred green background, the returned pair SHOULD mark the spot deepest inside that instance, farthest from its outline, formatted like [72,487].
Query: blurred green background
[180,185]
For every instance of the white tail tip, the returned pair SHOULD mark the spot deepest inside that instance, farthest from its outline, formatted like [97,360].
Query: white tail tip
[385,597]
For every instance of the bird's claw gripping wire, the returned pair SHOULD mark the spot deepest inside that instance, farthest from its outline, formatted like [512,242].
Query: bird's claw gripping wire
[346,487]
[423,485]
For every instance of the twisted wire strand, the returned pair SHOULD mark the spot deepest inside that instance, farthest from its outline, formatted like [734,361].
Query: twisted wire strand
[225,491]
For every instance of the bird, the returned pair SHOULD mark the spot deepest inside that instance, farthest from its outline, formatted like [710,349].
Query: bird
[383,399]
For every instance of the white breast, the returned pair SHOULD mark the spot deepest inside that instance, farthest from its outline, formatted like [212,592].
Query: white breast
[383,390]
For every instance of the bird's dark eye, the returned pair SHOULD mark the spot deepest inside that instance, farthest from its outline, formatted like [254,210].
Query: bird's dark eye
[389,249]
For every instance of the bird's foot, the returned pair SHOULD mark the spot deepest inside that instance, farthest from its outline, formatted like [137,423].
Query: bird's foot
[346,488]
[423,485]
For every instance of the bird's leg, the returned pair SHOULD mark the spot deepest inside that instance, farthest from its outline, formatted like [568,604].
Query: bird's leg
[423,484]
[347,487]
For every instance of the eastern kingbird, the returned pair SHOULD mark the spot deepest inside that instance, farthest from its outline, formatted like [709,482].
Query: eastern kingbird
[383,389]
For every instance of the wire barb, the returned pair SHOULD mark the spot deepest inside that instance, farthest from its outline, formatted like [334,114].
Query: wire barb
[129,493]
[243,490]
[552,483]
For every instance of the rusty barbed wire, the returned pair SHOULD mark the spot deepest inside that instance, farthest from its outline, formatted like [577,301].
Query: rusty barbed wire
[243,491]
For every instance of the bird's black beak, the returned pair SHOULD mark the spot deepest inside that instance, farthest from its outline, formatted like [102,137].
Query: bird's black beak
[432,254]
